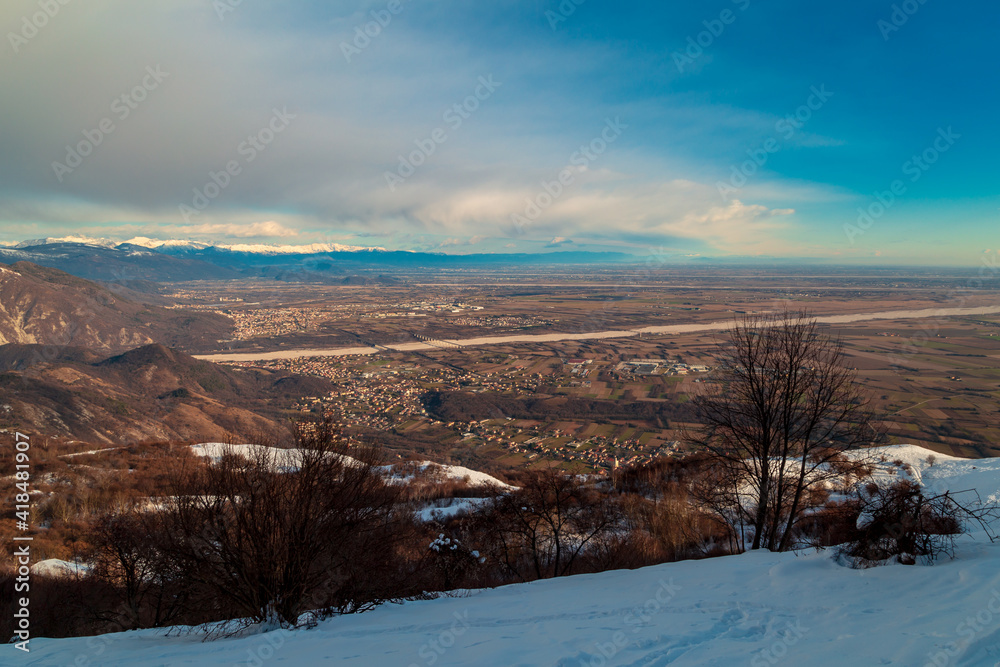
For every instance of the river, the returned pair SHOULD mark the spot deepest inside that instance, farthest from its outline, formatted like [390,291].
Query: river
[695,327]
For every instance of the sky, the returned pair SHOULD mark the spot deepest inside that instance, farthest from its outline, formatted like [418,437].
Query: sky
[857,132]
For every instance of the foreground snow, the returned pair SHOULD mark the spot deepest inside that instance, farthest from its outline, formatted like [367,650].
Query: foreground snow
[758,609]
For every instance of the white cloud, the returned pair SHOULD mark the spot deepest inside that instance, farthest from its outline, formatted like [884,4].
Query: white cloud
[266,229]
[326,171]
[619,208]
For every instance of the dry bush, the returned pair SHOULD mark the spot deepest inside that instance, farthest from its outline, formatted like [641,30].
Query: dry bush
[842,465]
[899,523]
[77,490]
[544,528]
[60,606]
[264,539]
[864,470]
[675,526]
[832,525]
[635,548]
[669,501]
[127,554]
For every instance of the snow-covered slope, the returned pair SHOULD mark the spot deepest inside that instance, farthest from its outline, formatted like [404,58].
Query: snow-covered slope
[255,248]
[940,472]
[86,240]
[308,249]
[757,609]
[398,473]
[430,470]
[281,458]
[216,450]
[54,567]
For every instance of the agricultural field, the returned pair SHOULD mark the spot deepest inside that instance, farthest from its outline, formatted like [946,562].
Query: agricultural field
[559,369]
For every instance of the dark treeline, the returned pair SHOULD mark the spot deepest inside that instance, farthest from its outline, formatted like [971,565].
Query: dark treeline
[468,406]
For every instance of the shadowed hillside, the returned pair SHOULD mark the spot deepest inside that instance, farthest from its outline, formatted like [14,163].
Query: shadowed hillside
[149,393]
[44,306]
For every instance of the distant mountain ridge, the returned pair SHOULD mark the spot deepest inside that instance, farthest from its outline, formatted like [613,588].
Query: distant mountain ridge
[154,244]
[143,259]
[124,262]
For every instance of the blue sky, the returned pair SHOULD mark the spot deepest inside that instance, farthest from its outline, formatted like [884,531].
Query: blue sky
[724,128]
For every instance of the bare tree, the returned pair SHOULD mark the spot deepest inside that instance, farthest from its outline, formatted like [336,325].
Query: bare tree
[126,553]
[784,407]
[542,529]
[265,527]
[123,555]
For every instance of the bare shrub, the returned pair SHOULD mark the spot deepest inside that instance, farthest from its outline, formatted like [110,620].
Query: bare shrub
[899,523]
[542,529]
[127,555]
[452,561]
[831,525]
[263,531]
[60,606]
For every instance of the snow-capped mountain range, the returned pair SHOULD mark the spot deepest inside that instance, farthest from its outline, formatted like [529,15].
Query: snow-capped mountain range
[168,260]
[184,244]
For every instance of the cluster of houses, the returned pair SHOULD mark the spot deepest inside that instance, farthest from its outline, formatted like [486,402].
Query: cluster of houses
[386,397]
[267,322]
[599,452]
[659,367]
[499,322]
